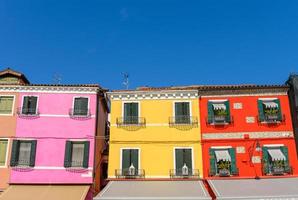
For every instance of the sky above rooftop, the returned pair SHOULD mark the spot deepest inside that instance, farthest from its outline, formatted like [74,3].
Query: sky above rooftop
[157,42]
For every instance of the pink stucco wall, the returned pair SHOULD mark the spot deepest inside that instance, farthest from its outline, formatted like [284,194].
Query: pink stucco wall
[51,130]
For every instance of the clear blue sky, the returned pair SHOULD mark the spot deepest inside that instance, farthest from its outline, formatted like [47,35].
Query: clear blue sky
[158,42]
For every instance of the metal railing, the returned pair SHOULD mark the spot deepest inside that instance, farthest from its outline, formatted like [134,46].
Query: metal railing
[20,163]
[80,113]
[219,119]
[272,118]
[131,121]
[224,172]
[183,120]
[129,173]
[75,164]
[23,111]
[276,170]
[180,173]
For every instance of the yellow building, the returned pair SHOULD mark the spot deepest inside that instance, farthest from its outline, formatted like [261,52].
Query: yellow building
[155,133]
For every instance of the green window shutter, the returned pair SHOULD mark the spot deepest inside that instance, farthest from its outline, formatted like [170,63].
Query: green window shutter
[265,160]
[33,153]
[178,109]
[179,158]
[14,153]
[233,161]
[210,112]
[134,110]
[125,158]
[212,161]
[187,158]
[284,150]
[261,110]
[131,113]
[3,150]
[134,157]
[80,106]
[277,101]
[86,154]
[33,105]
[228,117]
[67,155]
[25,107]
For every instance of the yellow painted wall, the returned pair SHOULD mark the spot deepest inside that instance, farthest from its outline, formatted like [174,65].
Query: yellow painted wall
[157,140]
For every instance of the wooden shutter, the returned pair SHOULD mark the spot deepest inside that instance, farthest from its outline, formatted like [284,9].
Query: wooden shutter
[3,150]
[86,154]
[134,110]
[33,153]
[178,159]
[80,106]
[14,153]
[210,112]
[265,160]
[233,161]
[179,112]
[125,158]
[67,155]
[261,111]
[25,107]
[6,103]
[33,105]
[279,114]
[212,159]
[284,150]
[228,116]
[134,156]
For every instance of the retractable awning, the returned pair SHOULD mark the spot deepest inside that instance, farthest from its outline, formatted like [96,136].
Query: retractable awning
[270,104]
[153,190]
[45,192]
[219,106]
[276,154]
[222,155]
[248,189]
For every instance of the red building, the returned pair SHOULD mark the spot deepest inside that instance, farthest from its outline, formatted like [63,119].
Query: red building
[247,132]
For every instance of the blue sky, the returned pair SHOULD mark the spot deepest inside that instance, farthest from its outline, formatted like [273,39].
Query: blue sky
[158,42]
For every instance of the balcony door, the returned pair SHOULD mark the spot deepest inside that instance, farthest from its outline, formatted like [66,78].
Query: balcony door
[130,158]
[183,157]
[131,113]
[182,113]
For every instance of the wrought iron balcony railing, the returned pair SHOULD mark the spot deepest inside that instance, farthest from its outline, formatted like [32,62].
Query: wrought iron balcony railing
[130,173]
[23,111]
[224,172]
[272,118]
[219,119]
[183,120]
[79,113]
[277,170]
[180,173]
[74,164]
[20,163]
[131,121]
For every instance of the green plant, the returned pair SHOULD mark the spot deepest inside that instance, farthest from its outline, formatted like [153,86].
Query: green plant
[278,163]
[223,164]
[220,112]
[271,111]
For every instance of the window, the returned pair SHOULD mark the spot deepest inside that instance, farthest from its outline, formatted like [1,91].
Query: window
[219,112]
[23,153]
[182,113]
[29,105]
[269,110]
[77,154]
[130,162]
[223,162]
[275,160]
[3,152]
[131,113]
[183,162]
[80,107]
[6,103]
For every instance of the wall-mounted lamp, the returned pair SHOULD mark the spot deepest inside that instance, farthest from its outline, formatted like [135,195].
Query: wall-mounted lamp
[258,146]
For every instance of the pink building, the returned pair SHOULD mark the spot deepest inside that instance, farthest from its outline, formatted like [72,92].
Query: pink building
[60,137]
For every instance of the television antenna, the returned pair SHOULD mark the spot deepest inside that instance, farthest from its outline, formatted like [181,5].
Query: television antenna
[57,78]
[125,80]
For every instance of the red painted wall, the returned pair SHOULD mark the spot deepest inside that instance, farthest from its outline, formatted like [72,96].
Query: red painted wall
[249,109]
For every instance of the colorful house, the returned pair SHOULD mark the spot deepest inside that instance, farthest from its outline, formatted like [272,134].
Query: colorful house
[154,144]
[58,143]
[9,80]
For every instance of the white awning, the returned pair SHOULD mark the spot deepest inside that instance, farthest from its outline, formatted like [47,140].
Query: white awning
[270,104]
[219,106]
[276,154]
[252,189]
[222,155]
[154,190]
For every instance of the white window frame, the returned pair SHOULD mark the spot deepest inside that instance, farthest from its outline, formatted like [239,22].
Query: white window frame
[7,148]
[221,148]
[13,104]
[192,156]
[37,102]
[128,148]
[182,101]
[73,102]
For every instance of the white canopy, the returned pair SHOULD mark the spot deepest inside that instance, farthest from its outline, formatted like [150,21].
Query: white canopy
[219,106]
[270,104]
[276,154]
[222,154]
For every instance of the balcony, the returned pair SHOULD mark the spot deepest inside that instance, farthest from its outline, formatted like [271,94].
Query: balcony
[130,173]
[79,113]
[224,172]
[181,173]
[131,121]
[27,112]
[271,119]
[219,120]
[183,120]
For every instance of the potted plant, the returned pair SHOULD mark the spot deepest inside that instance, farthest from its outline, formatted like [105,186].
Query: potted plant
[271,113]
[223,168]
[278,167]
[220,115]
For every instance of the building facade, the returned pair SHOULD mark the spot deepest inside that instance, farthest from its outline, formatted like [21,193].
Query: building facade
[247,132]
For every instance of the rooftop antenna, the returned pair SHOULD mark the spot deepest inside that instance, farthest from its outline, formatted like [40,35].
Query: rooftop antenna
[57,78]
[125,80]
